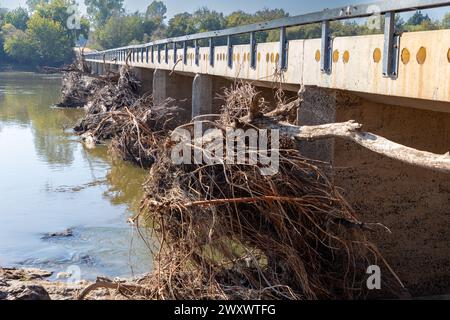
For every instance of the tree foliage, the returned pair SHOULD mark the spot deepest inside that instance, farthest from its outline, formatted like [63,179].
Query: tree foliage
[18,18]
[446,21]
[101,10]
[33,4]
[418,18]
[50,39]
[156,12]
[44,38]
[121,30]
[17,45]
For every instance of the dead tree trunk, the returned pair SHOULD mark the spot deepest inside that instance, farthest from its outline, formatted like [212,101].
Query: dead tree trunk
[351,131]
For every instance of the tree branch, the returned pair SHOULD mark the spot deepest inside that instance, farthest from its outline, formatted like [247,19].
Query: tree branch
[350,131]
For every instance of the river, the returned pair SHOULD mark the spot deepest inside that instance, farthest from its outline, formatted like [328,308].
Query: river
[49,183]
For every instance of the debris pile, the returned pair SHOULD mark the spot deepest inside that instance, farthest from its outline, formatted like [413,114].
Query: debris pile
[226,230]
[115,112]
[230,232]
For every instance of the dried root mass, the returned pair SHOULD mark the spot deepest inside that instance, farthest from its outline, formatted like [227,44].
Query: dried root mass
[226,231]
[229,232]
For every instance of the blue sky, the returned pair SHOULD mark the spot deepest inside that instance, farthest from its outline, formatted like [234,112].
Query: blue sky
[294,7]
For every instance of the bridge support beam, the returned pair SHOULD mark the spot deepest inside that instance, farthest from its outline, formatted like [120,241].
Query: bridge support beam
[205,91]
[145,76]
[100,69]
[202,95]
[173,86]
[318,107]
[94,67]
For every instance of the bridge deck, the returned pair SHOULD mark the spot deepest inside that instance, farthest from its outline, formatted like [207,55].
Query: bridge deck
[424,66]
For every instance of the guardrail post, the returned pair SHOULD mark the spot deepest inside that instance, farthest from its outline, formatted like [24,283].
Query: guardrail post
[391,50]
[326,48]
[283,49]
[175,53]
[166,53]
[146,54]
[159,53]
[197,53]
[230,52]
[211,52]
[253,50]
[185,52]
[152,54]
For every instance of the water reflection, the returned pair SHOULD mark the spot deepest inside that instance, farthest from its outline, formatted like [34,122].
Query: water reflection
[49,182]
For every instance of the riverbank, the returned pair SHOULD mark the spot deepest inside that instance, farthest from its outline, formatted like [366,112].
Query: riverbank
[18,68]
[33,284]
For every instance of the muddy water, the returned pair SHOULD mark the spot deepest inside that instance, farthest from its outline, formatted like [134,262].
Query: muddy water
[50,183]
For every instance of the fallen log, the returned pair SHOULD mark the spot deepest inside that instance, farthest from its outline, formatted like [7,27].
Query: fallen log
[351,131]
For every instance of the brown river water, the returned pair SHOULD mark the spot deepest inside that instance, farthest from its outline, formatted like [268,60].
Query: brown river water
[49,182]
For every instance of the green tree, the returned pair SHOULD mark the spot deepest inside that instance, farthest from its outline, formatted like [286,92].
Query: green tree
[181,24]
[19,47]
[238,18]
[156,12]
[101,10]
[18,18]
[33,4]
[446,21]
[49,37]
[3,12]
[418,18]
[207,20]
[269,14]
[120,30]
[56,10]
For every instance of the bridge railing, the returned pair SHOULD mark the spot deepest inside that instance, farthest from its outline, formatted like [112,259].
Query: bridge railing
[386,9]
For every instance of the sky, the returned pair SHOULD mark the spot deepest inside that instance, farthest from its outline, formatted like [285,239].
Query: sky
[293,7]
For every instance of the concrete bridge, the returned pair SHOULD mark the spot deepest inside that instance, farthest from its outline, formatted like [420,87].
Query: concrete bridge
[396,85]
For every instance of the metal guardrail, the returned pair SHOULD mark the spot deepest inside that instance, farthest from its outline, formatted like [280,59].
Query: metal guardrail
[387,8]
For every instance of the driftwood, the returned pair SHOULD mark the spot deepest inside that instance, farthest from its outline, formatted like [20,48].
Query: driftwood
[351,131]
[83,70]
[122,288]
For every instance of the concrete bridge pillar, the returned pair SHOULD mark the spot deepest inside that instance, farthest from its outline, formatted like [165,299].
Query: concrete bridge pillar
[101,69]
[206,92]
[173,86]
[115,67]
[318,107]
[145,76]
[202,95]
[94,67]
